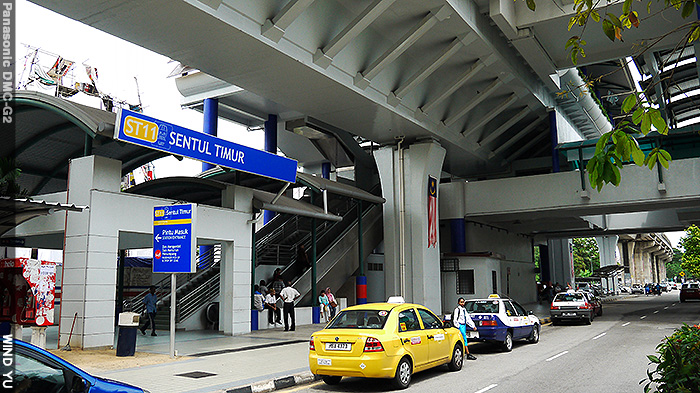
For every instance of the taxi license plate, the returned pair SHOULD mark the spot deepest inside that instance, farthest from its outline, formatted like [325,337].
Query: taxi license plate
[472,334]
[324,362]
[338,346]
[569,314]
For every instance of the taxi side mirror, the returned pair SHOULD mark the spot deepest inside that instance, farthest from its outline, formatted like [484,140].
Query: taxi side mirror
[530,313]
[446,324]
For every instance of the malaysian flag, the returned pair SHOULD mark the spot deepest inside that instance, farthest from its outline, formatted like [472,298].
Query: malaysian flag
[432,211]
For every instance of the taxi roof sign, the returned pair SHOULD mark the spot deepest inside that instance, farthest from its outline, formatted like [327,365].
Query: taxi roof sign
[396,299]
[494,296]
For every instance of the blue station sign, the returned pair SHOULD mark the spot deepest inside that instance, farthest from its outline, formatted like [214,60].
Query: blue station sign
[173,240]
[136,128]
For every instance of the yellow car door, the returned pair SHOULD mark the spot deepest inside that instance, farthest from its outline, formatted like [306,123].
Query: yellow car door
[438,341]
[413,338]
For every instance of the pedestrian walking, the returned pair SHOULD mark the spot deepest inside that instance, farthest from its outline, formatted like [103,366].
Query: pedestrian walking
[461,320]
[289,295]
[324,304]
[273,312]
[150,301]
[332,303]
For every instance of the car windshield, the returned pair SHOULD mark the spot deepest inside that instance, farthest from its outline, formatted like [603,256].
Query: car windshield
[359,319]
[691,286]
[482,306]
[569,297]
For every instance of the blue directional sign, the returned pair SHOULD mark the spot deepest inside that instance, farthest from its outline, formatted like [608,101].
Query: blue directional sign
[173,240]
[136,128]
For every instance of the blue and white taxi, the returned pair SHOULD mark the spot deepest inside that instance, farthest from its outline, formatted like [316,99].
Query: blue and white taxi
[501,321]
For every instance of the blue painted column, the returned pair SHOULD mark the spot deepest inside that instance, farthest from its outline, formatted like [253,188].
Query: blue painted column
[270,147]
[555,139]
[458,232]
[326,170]
[210,127]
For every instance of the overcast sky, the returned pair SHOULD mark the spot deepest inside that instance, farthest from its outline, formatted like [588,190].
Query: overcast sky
[118,62]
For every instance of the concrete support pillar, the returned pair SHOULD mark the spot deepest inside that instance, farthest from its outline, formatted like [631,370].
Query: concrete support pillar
[561,261]
[270,147]
[90,260]
[421,264]
[607,246]
[236,270]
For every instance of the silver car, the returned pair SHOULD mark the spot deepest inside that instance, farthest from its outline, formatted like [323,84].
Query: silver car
[571,306]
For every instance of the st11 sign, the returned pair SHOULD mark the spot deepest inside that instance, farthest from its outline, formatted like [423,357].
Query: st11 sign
[136,128]
[173,239]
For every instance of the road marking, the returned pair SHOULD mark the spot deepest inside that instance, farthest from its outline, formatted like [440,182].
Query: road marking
[666,308]
[642,317]
[599,336]
[656,312]
[625,324]
[556,356]
[487,388]
[673,304]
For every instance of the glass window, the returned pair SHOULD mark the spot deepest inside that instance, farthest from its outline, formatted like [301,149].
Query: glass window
[519,309]
[408,320]
[510,311]
[430,321]
[35,376]
[359,319]
[465,282]
[569,297]
[482,306]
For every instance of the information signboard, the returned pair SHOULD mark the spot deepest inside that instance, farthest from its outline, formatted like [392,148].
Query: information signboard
[173,239]
[142,130]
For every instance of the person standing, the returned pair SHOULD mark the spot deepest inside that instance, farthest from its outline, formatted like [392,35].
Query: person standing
[332,303]
[150,301]
[289,295]
[323,301]
[460,320]
[272,310]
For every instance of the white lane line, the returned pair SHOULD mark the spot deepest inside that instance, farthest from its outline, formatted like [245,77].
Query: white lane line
[625,324]
[673,304]
[556,356]
[656,312]
[666,308]
[599,336]
[487,388]
[642,317]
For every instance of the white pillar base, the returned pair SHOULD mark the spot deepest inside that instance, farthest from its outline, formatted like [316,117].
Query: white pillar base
[16,331]
[39,336]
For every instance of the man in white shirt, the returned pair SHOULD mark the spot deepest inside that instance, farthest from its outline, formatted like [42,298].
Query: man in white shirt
[272,309]
[289,295]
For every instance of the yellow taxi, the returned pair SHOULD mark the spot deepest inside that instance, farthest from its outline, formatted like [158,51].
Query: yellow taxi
[384,340]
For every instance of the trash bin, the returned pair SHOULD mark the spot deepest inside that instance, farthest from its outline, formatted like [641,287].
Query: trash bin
[126,340]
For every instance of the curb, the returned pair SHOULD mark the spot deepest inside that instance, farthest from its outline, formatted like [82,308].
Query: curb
[276,384]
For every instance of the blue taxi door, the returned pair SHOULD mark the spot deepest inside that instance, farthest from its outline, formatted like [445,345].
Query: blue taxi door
[515,321]
[525,319]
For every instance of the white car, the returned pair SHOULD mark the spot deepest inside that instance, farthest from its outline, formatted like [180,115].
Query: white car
[503,320]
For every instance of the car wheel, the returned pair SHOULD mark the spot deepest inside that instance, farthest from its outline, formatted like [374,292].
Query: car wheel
[331,379]
[554,322]
[589,319]
[600,313]
[403,374]
[457,358]
[507,345]
[535,335]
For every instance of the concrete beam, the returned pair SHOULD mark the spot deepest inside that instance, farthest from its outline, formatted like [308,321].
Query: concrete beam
[274,28]
[490,115]
[363,79]
[505,126]
[323,57]
[520,135]
[492,88]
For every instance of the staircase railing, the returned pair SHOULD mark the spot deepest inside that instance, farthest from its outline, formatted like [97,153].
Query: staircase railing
[205,262]
[198,297]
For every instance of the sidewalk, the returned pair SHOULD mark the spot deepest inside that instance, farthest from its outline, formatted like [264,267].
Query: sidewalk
[259,361]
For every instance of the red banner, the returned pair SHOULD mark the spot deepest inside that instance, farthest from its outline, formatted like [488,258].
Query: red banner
[432,211]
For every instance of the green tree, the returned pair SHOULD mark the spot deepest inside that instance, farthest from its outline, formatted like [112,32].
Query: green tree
[673,268]
[691,252]
[586,256]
